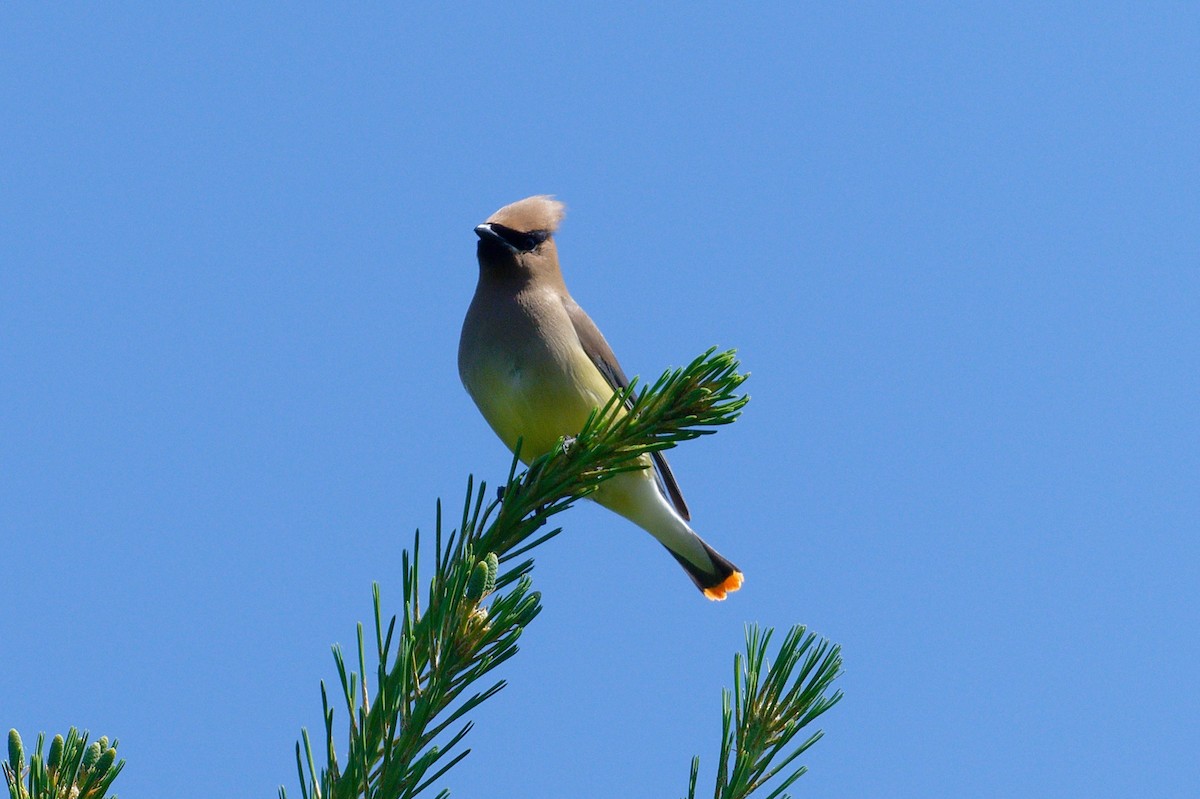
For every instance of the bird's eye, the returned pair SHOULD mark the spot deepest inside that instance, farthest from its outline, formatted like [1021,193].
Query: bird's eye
[534,238]
[521,242]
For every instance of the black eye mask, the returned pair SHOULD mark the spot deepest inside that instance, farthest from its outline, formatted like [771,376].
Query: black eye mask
[521,242]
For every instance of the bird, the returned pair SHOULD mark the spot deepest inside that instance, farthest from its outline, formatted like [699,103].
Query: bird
[537,366]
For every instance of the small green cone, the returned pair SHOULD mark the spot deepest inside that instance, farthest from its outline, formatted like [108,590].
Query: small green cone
[16,752]
[477,582]
[91,756]
[56,750]
[493,565]
[105,762]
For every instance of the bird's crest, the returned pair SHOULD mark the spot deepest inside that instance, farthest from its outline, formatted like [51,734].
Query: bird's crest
[540,212]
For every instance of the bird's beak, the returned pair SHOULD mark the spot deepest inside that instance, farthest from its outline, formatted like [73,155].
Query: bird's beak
[485,233]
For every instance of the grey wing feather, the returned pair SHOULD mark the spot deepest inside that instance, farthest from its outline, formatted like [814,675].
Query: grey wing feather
[602,356]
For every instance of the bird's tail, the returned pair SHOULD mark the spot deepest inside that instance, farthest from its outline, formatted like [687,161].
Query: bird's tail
[637,497]
[717,578]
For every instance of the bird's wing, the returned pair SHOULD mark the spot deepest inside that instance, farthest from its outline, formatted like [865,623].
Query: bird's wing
[601,355]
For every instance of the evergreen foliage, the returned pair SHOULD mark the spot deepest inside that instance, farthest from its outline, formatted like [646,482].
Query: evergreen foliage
[406,716]
[72,769]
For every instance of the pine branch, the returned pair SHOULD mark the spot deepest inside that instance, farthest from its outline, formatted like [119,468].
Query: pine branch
[428,661]
[431,657]
[771,704]
[71,770]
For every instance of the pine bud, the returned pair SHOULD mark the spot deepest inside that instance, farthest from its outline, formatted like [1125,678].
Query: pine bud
[105,762]
[91,756]
[16,752]
[493,565]
[477,582]
[56,750]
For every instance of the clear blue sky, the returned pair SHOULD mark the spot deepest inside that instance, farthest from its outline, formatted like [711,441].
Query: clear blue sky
[957,246]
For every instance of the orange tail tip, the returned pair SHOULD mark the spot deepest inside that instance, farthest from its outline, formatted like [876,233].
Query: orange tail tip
[732,583]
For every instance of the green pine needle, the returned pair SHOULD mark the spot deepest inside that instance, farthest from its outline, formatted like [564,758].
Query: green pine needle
[72,768]
[467,617]
[405,715]
[771,703]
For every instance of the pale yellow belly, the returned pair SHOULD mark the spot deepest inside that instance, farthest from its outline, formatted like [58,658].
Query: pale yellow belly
[539,404]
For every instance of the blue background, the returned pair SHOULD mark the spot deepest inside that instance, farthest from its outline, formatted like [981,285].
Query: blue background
[955,244]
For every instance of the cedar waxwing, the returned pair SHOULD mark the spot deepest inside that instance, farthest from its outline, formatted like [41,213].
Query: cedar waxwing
[537,366]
